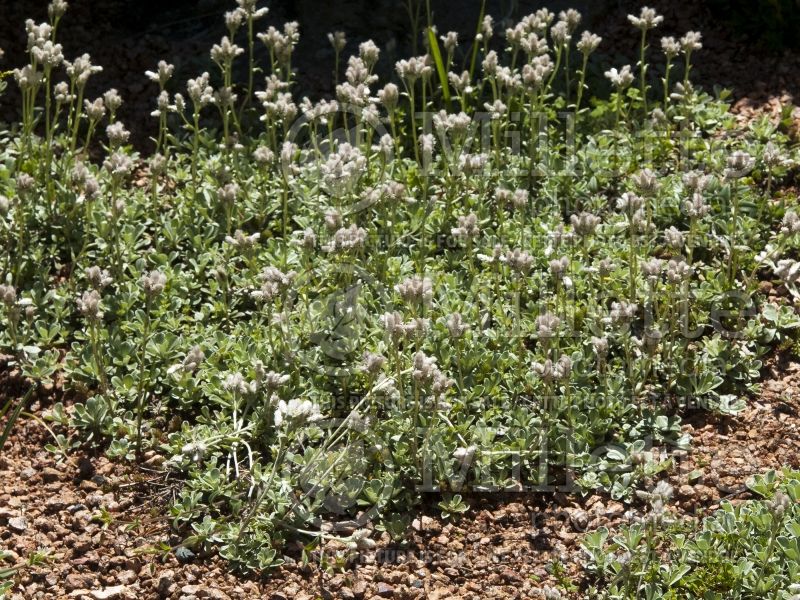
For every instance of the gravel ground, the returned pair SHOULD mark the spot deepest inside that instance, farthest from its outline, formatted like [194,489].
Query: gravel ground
[506,546]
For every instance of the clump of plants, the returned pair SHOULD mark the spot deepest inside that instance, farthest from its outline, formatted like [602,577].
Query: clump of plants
[746,550]
[477,276]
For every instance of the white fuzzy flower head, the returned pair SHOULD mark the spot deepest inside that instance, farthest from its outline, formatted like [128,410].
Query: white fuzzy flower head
[274,283]
[490,64]
[342,169]
[296,413]
[98,278]
[519,260]
[772,156]
[119,165]
[153,283]
[670,47]
[584,223]
[647,19]
[414,69]
[95,110]
[468,227]
[427,143]
[234,20]
[372,363]
[646,181]
[56,9]
[695,180]
[251,10]
[81,69]
[547,325]
[228,194]
[27,77]
[162,75]
[369,53]
[200,91]
[117,134]
[560,33]
[347,239]
[496,109]
[389,97]
[8,295]
[790,223]
[788,270]
[621,78]
[89,305]
[338,40]
[600,345]
[460,83]
[629,202]
[360,540]
[691,42]
[48,54]
[450,41]
[571,17]
[243,242]
[778,505]
[487,27]
[696,207]
[558,267]
[416,290]
[739,164]
[678,271]
[623,311]
[456,326]
[588,42]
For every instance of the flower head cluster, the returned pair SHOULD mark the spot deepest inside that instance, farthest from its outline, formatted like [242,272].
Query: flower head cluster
[621,78]
[243,242]
[416,290]
[281,45]
[274,283]
[98,278]
[547,325]
[414,69]
[584,223]
[162,74]
[549,371]
[190,363]
[519,260]
[468,228]
[153,283]
[296,413]
[343,169]
[647,19]
[790,223]
[456,326]
[347,239]
[81,69]
[588,43]
[397,329]
[89,305]
[427,373]
[691,42]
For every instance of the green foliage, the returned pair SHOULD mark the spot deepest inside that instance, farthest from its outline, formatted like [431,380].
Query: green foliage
[747,550]
[317,313]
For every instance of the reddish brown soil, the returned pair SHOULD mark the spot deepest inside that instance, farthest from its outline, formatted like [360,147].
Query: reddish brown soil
[505,547]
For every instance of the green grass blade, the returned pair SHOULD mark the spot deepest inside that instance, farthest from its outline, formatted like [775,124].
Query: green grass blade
[437,58]
[474,41]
